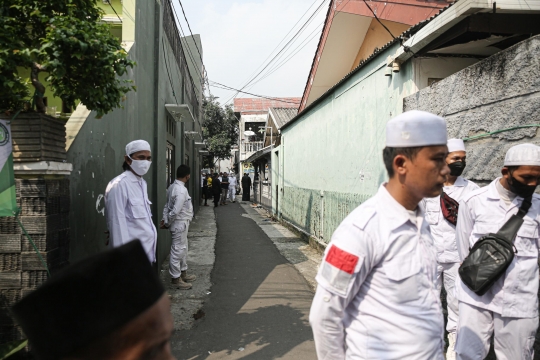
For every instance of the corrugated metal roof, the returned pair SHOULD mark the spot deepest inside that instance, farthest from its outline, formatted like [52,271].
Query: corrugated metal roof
[283,115]
[402,37]
[262,105]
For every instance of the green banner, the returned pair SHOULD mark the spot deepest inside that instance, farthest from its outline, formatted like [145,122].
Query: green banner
[8,202]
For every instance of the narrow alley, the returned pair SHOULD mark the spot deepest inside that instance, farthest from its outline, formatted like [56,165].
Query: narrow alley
[259,302]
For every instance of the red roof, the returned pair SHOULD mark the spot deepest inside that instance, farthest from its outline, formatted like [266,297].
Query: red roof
[258,105]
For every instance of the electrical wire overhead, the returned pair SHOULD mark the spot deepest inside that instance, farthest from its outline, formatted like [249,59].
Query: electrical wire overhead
[225,87]
[289,43]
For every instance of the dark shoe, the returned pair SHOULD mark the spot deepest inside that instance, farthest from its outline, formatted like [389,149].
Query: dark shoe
[187,278]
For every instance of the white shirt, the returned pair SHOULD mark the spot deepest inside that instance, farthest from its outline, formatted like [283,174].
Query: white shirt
[178,205]
[377,296]
[515,293]
[443,232]
[128,213]
[232,182]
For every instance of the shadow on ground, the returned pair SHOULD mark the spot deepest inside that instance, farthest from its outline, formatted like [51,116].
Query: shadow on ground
[259,305]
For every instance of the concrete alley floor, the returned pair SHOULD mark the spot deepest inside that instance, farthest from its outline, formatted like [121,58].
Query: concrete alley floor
[258,304]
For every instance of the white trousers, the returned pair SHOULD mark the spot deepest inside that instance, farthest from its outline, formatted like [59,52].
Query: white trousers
[179,248]
[513,337]
[446,273]
[232,194]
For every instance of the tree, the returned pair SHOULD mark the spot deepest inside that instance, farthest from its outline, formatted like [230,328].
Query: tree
[220,128]
[67,40]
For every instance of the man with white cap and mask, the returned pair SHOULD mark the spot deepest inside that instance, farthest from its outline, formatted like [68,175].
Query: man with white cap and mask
[509,308]
[127,207]
[377,294]
[441,214]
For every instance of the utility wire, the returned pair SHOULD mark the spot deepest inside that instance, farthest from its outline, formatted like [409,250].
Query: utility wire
[283,39]
[302,28]
[119,18]
[225,87]
[189,27]
[167,67]
[186,44]
[278,66]
[380,22]
[299,47]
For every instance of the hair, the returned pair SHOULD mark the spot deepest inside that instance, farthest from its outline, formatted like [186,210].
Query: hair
[182,171]
[125,165]
[390,153]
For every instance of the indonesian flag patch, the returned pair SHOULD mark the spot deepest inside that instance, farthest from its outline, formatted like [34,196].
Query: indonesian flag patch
[338,268]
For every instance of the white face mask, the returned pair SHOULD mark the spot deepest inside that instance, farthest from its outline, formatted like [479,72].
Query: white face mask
[140,167]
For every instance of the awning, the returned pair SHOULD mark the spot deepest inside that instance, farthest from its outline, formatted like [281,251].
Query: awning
[259,154]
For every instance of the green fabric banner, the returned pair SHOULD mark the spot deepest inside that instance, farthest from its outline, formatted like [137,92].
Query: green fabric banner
[8,202]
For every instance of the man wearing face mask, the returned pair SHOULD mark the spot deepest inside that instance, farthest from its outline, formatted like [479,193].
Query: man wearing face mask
[509,309]
[439,214]
[127,207]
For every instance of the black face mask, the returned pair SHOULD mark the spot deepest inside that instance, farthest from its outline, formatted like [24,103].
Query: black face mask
[456,168]
[519,188]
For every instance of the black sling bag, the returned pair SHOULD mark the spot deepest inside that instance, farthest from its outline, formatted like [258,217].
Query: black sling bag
[492,254]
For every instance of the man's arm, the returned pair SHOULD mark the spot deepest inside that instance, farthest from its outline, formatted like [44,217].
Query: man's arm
[464,228]
[165,218]
[115,205]
[338,288]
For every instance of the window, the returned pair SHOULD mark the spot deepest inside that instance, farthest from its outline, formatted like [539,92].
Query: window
[169,164]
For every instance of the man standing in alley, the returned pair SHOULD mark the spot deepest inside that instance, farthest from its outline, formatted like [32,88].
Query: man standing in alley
[508,311]
[441,214]
[177,214]
[246,187]
[377,293]
[216,189]
[232,187]
[224,188]
[127,207]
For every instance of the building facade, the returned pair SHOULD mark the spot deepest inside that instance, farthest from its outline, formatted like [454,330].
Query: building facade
[329,160]
[165,110]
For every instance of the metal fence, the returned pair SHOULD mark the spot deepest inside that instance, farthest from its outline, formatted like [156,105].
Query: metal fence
[172,33]
[317,212]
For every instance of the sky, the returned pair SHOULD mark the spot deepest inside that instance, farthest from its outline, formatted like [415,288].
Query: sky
[239,35]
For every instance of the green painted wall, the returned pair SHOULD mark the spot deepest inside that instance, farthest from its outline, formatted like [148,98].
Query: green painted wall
[336,147]
[97,151]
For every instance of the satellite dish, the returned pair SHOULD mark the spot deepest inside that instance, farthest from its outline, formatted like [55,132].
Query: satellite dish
[249,133]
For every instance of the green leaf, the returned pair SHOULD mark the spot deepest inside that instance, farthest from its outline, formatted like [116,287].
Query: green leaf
[11,348]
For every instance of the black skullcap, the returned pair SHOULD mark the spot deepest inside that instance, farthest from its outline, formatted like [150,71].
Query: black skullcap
[88,300]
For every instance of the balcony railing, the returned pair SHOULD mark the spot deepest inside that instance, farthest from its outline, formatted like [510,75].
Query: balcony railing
[169,27]
[253,146]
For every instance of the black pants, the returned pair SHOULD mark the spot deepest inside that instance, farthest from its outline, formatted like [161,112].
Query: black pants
[246,193]
[205,194]
[216,199]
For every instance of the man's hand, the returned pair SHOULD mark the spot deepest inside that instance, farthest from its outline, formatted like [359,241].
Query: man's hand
[162,225]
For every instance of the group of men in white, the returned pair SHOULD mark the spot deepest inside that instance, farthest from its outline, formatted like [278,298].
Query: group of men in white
[379,285]
[129,216]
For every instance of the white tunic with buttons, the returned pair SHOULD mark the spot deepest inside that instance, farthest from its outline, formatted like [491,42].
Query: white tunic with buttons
[443,232]
[377,296]
[128,213]
[515,293]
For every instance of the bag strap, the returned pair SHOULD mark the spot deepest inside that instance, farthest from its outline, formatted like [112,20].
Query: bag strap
[511,227]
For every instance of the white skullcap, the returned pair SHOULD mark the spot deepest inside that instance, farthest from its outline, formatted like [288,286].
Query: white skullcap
[137,145]
[456,145]
[523,154]
[416,128]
